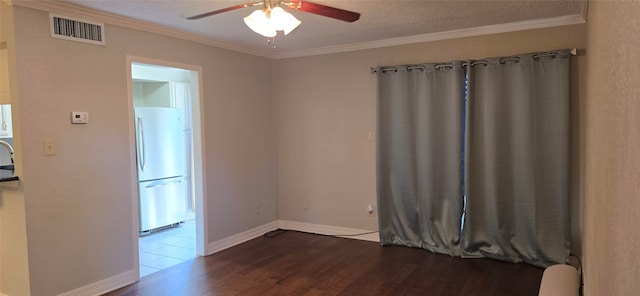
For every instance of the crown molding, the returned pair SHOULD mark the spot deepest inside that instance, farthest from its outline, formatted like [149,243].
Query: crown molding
[116,20]
[127,22]
[471,32]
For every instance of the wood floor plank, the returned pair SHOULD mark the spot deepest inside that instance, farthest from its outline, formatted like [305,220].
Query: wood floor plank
[296,263]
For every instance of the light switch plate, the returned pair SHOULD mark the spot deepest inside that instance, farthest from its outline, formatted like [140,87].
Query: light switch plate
[79,117]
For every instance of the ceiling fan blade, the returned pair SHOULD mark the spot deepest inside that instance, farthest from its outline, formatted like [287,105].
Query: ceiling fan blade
[328,11]
[210,13]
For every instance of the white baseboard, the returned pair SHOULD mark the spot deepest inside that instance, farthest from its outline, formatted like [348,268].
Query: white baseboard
[329,230]
[250,234]
[239,238]
[106,285]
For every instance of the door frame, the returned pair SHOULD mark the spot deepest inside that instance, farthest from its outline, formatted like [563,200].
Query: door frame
[198,163]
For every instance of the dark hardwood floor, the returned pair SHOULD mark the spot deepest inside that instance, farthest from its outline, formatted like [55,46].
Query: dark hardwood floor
[295,263]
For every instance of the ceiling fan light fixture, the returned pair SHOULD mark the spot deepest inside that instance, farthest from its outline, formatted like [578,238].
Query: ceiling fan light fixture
[259,23]
[273,18]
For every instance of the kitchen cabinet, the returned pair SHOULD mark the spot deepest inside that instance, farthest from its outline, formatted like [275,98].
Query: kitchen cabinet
[181,99]
[6,130]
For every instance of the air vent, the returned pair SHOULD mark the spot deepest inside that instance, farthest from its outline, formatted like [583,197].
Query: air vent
[67,28]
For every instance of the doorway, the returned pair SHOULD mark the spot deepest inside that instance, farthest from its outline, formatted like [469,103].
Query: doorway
[165,105]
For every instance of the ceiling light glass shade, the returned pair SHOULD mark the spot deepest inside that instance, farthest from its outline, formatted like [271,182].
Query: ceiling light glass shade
[293,23]
[279,19]
[258,22]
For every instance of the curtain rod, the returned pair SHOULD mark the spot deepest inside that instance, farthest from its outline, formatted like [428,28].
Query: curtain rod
[573,51]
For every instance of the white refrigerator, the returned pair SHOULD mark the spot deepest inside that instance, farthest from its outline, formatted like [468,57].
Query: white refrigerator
[160,158]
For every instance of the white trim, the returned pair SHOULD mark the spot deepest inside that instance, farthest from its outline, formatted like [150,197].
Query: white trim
[106,285]
[116,20]
[471,32]
[199,163]
[328,230]
[585,10]
[239,238]
[135,226]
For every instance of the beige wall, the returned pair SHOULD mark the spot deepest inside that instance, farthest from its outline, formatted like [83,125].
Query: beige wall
[326,105]
[612,203]
[79,204]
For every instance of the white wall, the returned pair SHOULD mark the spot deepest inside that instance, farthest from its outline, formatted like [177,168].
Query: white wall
[325,107]
[78,203]
[156,94]
[612,179]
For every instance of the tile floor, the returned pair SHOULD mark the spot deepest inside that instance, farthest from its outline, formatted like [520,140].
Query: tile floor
[167,247]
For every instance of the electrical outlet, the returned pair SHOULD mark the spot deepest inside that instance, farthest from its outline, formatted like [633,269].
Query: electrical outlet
[257,209]
[305,206]
[372,136]
[49,147]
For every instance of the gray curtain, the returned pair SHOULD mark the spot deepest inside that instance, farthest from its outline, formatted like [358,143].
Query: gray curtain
[517,159]
[419,152]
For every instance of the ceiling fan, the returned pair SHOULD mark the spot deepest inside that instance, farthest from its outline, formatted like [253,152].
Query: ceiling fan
[271,18]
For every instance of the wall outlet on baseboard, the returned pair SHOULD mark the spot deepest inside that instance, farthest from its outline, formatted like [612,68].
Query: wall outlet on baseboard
[305,205]
[257,209]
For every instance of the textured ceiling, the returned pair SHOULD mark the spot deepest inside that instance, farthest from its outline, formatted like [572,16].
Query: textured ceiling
[380,20]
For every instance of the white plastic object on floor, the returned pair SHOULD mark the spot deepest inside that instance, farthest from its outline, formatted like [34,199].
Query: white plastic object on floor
[560,280]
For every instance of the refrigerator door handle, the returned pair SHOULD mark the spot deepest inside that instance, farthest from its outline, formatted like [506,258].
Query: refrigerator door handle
[141,148]
[162,183]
